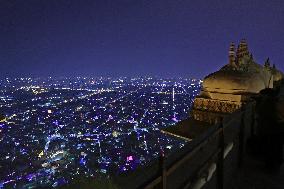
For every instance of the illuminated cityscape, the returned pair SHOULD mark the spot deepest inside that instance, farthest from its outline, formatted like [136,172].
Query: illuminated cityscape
[55,129]
[141,94]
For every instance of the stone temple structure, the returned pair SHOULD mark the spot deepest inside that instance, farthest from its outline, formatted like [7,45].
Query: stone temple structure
[227,89]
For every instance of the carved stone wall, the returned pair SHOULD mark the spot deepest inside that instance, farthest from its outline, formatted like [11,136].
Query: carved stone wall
[210,110]
[215,105]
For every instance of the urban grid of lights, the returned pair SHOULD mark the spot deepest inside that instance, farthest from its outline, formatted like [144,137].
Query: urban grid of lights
[53,130]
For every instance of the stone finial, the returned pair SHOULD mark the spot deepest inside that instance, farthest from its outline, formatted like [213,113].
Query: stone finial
[267,63]
[242,49]
[251,56]
[232,55]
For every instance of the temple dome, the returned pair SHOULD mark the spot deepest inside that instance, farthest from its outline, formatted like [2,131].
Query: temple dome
[242,75]
[227,89]
[232,81]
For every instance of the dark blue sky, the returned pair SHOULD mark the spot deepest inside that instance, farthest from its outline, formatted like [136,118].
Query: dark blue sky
[168,38]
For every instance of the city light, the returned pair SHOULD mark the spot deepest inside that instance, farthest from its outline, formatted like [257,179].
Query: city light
[54,130]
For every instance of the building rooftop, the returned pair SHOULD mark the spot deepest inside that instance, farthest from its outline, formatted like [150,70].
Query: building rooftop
[187,129]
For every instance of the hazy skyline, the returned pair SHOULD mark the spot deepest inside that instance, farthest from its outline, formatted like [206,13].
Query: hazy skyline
[134,38]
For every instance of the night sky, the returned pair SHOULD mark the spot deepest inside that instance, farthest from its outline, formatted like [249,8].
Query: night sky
[166,38]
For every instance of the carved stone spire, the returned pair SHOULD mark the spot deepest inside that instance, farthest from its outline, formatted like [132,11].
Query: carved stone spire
[232,55]
[242,49]
[267,63]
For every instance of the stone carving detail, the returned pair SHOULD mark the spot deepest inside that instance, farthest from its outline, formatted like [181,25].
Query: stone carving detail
[215,105]
[210,110]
